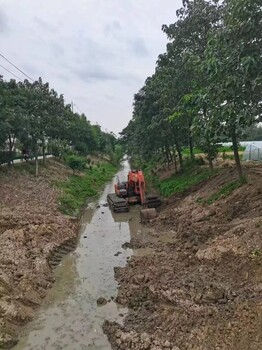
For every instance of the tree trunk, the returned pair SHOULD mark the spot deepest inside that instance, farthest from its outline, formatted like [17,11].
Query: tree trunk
[179,154]
[236,154]
[170,155]
[36,165]
[190,139]
[174,157]
[167,156]
[43,152]
[11,145]
[209,155]
[36,160]
[210,162]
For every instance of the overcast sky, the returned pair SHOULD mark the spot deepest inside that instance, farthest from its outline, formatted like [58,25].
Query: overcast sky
[98,53]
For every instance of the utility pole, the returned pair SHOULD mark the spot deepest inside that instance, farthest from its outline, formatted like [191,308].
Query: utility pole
[72,106]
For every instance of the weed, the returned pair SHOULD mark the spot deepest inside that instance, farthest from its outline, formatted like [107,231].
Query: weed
[182,181]
[230,149]
[77,189]
[199,200]
[256,254]
[186,151]
[225,191]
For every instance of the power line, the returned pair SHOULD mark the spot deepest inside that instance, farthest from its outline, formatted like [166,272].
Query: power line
[73,104]
[78,108]
[16,67]
[11,73]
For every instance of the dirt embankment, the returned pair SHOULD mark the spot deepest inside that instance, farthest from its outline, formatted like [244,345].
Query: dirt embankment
[34,235]
[200,285]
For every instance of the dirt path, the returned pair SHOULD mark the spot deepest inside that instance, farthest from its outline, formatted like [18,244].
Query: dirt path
[200,284]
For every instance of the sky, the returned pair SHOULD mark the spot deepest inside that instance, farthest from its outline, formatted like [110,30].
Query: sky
[97,53]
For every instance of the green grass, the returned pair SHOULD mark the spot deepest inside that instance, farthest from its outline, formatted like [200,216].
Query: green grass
[256,254]
[180,182]
[225,191]
[186,151]
[230,149]
[77,189]
[226,149]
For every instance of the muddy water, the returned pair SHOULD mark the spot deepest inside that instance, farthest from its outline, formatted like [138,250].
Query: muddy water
[70,317]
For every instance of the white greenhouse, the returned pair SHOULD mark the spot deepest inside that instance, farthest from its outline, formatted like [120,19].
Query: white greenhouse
[252,152]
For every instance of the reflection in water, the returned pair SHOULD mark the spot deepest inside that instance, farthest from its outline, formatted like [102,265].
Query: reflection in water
[70,317]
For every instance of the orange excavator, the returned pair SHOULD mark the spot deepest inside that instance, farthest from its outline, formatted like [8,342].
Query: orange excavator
[133,191]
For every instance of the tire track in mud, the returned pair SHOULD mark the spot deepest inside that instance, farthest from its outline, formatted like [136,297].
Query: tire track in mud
[56,256]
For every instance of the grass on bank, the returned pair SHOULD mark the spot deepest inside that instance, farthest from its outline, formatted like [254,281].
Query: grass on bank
[180,182]
[77,189]
[225,191]
[221,149]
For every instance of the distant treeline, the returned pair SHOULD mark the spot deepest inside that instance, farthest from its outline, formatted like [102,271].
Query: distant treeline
[207,86]
[35,119]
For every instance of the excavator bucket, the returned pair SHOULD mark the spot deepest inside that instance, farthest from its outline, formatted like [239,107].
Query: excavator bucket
[148,214]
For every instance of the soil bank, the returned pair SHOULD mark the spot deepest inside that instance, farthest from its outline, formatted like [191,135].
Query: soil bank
[200,284]
[34,236]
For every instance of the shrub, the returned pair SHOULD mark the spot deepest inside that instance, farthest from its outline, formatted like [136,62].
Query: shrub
[76,162]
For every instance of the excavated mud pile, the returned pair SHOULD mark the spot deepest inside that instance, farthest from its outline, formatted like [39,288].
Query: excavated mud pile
[34,235]
[202,287]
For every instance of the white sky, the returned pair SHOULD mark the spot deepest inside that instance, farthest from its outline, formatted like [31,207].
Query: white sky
[98,53]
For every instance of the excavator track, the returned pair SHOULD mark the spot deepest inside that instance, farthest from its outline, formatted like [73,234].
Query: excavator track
[117,204]
[153,201]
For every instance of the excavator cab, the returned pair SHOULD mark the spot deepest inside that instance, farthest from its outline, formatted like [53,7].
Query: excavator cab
[121,188]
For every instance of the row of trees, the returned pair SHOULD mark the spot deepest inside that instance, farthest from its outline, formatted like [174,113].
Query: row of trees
[34,117]
[207,86]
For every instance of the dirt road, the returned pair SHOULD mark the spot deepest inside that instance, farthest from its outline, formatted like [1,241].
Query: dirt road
[71,317]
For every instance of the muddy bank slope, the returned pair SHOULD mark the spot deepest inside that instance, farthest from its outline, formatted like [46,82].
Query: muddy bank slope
[201,285]
[34,236]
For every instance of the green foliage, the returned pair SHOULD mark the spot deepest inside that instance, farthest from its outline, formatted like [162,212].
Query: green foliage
[33,117]
[207,86]
[58,148]
[76,162]
[77,189]
[186,151]
[256,254]
[225,191]
[228,149]
[192,175]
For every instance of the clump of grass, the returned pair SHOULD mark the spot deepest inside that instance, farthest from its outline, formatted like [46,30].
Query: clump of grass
[256,254]
[77,189]
[192,175]
[186,151]
[225,191]
[230,149]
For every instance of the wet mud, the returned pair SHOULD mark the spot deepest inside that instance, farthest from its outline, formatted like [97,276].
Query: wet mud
[83,295]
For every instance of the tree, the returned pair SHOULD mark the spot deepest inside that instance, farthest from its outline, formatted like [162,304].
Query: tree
[233,63]
[36,117]
[76,163]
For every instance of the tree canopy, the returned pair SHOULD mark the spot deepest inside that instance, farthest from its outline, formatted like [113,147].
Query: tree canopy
[206,87]
[34,117]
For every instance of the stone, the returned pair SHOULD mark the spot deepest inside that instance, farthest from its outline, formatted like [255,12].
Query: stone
[167,344]
[101,301]
[118,253]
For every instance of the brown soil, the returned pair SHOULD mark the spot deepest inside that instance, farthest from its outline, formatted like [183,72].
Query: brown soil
[200,286]
[34,236]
